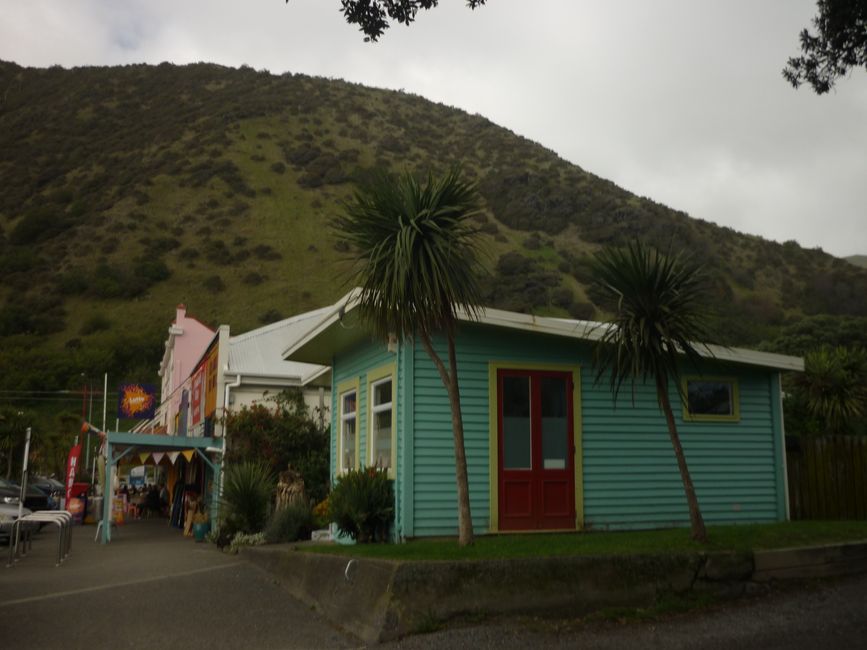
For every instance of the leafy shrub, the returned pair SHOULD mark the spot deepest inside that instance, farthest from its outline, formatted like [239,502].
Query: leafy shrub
[96,323]
[244,539]
[270,316]
[290,524]
[362,504]
[247,496]
[282,435]
[214,284]
[278,168]
[320,514]
[39,224]
[582,310]
[18,261]
[254,279]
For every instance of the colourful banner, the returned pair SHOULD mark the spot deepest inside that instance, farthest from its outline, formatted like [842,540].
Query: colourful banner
[196,396]
[158,456]
[136,401]
[189,453]
[173,456]
[143,457]
[71,465]
[211,383]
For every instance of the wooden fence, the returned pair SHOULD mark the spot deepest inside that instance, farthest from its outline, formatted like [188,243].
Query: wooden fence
[827,477]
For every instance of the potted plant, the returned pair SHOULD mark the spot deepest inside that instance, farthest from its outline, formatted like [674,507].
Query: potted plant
[201,523]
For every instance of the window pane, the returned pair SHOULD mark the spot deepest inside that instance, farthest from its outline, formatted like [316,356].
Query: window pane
[516,423]
[382,393]
[349,403]
[382,439]
[710,398]
[348,444]
[555,426]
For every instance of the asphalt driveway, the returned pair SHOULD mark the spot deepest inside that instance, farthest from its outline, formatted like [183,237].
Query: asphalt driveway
[150,588]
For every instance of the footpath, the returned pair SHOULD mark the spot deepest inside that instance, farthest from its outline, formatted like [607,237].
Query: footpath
[402,597]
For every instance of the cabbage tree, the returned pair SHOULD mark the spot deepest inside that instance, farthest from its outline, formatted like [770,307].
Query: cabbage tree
[660,314]
[416,249]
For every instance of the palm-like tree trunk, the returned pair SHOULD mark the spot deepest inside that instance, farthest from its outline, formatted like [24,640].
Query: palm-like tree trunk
[449,378]
[699,532]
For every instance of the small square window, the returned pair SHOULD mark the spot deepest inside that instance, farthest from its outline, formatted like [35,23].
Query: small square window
[711,399]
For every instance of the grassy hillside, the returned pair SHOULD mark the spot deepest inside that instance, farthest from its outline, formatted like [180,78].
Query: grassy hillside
[858,260]
[128,190]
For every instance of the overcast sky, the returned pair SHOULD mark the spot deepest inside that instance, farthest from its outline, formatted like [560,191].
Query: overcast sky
[681,101]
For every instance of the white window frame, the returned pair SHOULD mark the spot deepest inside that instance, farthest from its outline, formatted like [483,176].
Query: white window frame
[376,378]
[345,390]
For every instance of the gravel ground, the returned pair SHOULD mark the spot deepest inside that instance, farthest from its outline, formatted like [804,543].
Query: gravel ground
[827,615]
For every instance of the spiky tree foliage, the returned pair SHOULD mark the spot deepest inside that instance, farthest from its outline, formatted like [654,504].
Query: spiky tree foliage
[417,251]
[247,493]
[660,314]
[834,386]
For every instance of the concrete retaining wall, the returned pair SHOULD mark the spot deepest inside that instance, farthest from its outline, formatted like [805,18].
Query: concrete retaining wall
[379,600]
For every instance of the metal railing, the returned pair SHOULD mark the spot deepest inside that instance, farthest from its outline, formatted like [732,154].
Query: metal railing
[19,545]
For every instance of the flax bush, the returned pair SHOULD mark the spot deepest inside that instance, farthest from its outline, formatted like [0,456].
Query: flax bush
[362,504]
[247,497]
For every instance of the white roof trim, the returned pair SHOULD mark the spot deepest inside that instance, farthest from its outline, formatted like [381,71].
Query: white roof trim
[576,329]
[332,315]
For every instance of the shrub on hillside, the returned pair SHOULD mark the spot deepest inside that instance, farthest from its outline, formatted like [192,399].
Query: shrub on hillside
[96,323]
[214,284]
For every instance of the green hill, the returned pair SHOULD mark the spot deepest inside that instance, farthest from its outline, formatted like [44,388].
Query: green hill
[126,190]
[857,260]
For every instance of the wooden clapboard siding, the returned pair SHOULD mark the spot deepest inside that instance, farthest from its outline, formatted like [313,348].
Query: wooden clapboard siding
[626,472]
[435,502]
[630,477]
[630,473]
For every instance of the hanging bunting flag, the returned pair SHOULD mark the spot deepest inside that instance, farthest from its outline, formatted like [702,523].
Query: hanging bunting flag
[158,456]
[188,454]
[143,457]
[173,456]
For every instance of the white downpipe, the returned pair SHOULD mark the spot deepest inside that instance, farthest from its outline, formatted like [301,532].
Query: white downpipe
[229,386]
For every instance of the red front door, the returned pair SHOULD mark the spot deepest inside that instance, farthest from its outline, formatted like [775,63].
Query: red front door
[536,450]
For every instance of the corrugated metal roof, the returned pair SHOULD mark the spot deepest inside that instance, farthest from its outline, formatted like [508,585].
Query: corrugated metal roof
[324,329]
[259,352]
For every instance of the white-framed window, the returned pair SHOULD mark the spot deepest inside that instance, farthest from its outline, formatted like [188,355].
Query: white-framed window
[381,422]
[348,441]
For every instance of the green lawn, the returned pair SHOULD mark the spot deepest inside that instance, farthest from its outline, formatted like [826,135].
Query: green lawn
[722,538]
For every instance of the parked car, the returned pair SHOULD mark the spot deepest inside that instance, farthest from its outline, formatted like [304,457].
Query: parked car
[52,487]
[8,515]
[34,498]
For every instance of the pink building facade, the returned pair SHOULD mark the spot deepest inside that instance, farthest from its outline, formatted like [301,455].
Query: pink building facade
[188,340]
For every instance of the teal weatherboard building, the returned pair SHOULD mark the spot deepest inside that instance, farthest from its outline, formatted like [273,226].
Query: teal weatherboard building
[547,447]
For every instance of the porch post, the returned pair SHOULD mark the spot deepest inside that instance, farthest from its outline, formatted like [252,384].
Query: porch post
[107,493]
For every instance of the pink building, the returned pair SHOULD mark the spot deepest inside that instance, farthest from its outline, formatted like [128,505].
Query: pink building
[187,342]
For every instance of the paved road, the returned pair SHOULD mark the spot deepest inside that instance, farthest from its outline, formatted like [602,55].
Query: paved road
[150,588]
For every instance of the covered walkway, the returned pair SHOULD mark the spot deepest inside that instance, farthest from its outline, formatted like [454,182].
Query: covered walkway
[120,444]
